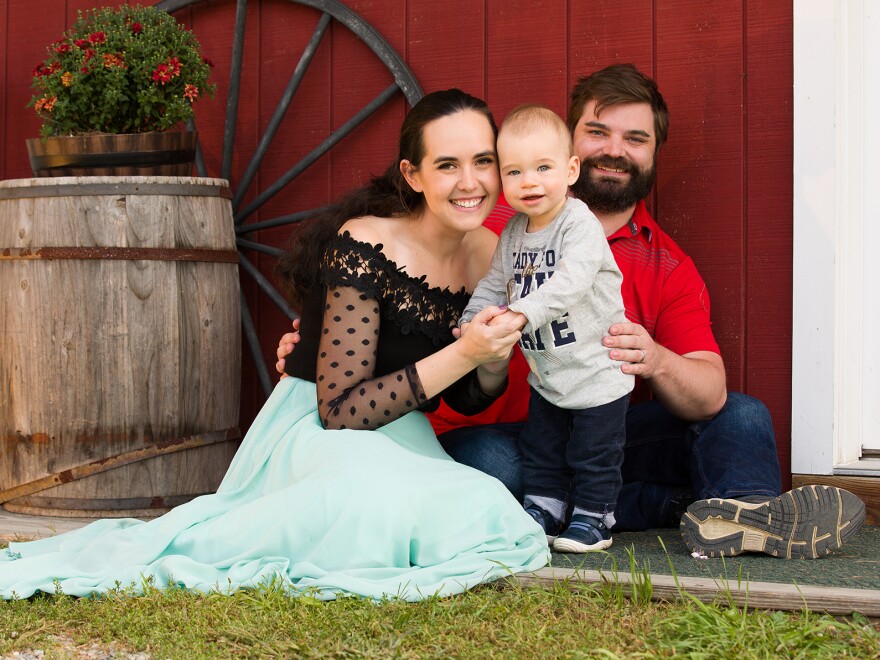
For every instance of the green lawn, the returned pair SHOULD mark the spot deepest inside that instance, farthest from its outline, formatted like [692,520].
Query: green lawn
[497,620]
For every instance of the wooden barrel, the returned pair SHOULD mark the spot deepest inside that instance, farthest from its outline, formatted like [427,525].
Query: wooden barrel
[165,153]
[119,343]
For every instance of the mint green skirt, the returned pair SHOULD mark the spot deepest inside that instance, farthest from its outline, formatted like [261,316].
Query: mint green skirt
[378,514]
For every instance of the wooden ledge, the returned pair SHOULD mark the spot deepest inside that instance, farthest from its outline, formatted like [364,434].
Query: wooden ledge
[758,595]
[868,488]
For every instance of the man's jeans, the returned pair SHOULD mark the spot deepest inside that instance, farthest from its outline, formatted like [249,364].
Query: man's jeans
[667,463]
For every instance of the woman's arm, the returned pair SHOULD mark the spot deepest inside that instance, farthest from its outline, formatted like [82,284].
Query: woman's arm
[350,396]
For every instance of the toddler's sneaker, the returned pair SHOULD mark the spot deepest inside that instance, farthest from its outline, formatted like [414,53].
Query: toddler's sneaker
[548,523]
[583,534]
[804,523]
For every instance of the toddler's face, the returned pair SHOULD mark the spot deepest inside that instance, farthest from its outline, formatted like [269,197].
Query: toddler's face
[536,171]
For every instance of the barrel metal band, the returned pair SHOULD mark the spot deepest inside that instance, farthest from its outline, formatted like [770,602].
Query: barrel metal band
[105,464]
[126,189]
[120,253]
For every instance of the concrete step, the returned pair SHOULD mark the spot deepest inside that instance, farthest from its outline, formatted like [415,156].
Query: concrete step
[18,527]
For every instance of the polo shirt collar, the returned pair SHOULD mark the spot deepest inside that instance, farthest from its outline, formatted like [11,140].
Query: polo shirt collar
[640,222]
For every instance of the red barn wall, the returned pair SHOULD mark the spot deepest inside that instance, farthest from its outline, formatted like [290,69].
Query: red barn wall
[724,67]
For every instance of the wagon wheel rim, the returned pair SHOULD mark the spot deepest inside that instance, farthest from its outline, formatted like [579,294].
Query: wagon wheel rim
[403,81]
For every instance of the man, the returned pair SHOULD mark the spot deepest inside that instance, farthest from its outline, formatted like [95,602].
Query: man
[695,454]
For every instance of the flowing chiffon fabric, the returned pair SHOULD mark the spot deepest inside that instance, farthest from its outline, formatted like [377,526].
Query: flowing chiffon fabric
[378,514]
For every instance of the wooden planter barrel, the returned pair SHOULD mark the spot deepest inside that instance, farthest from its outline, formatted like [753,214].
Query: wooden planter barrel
[167,153]
[119,343]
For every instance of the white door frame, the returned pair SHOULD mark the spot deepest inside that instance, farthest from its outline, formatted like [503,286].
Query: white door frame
[835,393]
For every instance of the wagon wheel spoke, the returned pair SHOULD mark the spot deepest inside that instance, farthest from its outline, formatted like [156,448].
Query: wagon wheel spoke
[280,110]
[404,82]
[316,153]
[234,88]
[250,333]
[280,221]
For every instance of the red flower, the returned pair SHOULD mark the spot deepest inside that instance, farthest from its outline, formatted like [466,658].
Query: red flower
[137,28]
[43,70]
[191,92]
[207,61]
[89,53]
[81,43]
[161,75]
[62,47]
[165,72]
[97,38]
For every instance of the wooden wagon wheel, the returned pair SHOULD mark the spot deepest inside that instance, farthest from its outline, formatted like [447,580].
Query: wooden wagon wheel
[403,81]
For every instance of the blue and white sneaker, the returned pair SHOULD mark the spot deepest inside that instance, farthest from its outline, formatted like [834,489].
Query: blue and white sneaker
[548,523]
[583,534]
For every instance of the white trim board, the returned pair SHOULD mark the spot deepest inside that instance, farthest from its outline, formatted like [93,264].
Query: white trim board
[836,304]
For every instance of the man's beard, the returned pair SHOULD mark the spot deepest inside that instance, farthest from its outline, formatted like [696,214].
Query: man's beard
[608,195]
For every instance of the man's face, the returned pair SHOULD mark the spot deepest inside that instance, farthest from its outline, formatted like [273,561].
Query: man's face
[617,156]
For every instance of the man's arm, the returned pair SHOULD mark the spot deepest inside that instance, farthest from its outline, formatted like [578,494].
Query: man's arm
[285,347]
[691,386]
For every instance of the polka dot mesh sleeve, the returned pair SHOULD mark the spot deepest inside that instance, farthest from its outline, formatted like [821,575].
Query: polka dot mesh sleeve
[349,394]
[349,397]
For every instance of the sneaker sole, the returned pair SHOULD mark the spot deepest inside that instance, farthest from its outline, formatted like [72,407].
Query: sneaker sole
[805,523]
[570,545]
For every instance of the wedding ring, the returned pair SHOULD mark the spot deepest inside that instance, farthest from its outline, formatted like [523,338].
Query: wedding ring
[644,355]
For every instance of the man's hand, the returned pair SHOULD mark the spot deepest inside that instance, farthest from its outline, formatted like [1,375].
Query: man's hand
[691,386]
[285,347]
[631,344]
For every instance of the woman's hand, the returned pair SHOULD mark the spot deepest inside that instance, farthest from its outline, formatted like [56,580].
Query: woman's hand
[285,347]
[490,336]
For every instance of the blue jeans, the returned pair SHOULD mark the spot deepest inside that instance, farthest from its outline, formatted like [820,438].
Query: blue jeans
[667,463]
[574,455]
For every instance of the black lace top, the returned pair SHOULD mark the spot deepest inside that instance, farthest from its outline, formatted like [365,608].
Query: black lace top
[377,322]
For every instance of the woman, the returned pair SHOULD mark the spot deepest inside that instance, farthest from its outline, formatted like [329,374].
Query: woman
[354,494]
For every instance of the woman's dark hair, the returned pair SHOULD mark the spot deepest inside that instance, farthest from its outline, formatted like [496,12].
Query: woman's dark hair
[387,195]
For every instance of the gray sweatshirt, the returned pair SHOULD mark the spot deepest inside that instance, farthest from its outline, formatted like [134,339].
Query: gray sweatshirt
[566,282]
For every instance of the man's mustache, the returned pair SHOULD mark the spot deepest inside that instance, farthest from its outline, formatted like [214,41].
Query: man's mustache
[609,162]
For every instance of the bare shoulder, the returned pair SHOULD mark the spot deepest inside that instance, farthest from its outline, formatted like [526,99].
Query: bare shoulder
[368,229]
[479,246]
[480,243]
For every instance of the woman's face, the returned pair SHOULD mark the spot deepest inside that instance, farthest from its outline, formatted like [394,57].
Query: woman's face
[459,173]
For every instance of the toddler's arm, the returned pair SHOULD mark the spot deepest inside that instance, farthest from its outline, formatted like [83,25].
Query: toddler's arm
[584,246]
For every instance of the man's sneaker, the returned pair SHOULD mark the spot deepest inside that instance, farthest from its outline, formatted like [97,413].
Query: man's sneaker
[548,523]
[583,534]
[804,523]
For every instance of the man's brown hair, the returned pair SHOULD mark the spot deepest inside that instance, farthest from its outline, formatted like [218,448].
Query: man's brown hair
[616,84]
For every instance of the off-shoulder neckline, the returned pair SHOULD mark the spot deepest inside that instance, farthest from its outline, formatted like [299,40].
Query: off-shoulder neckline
[420,281]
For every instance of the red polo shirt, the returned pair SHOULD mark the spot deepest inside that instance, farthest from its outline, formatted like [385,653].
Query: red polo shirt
[662,291]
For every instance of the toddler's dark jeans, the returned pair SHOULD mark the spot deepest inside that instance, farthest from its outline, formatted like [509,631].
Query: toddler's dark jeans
[574,455]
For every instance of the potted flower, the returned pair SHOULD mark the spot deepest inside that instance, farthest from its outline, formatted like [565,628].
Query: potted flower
[115,90]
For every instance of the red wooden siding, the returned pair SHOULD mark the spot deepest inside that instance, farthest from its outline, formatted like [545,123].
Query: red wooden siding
[725,68]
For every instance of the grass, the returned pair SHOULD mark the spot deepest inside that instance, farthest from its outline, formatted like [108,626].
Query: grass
[503,619]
